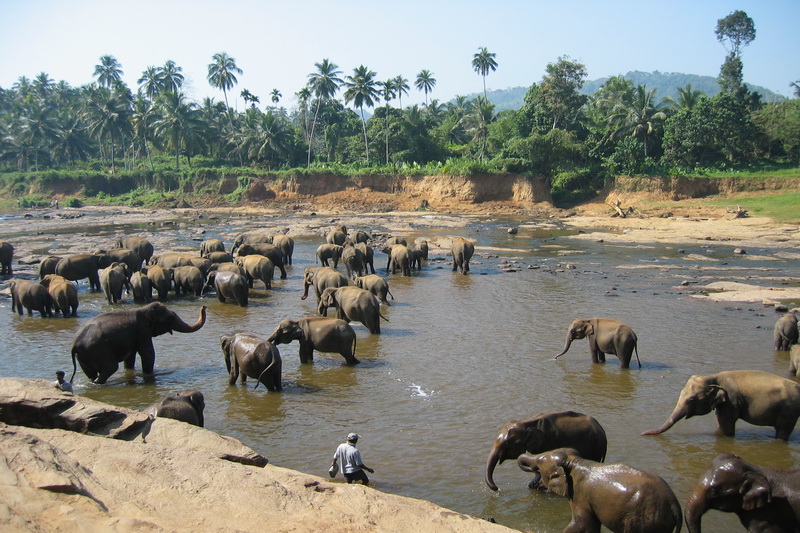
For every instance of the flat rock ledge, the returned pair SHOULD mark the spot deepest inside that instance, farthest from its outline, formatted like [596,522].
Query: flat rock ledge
[68,463]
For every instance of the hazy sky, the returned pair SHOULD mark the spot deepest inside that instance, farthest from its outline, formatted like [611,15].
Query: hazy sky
[277,43]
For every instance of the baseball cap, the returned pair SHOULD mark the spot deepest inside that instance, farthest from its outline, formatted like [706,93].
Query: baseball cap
[352,436]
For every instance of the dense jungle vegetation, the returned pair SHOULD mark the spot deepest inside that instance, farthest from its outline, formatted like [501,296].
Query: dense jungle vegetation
[157,136]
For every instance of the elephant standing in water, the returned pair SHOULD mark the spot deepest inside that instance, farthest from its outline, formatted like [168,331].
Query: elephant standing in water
[187,406]
[110,338]
[462,251]
[80,266]
[63,294]
[249,356]
[6,258]
[785,332]
[322,278]
[622,498]
[547,431]
[143,248]
[764,498]
[31,296]
[317,333]
[605,336]
[376,285]
[757,397]
[354,305]
[229,286]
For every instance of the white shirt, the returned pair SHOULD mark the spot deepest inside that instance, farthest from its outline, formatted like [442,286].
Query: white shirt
[348,458]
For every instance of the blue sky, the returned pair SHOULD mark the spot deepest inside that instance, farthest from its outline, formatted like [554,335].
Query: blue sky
[277,43]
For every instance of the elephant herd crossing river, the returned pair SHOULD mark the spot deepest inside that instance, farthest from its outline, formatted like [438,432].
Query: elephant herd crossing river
[460,357]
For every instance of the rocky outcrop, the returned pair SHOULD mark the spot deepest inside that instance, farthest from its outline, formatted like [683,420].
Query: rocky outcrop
[109,474]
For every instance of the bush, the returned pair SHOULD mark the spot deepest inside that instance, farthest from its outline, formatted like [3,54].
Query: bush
[73,202]
[572,187]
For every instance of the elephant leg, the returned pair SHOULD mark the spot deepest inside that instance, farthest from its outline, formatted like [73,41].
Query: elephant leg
[148,354]
[283,272]
[130,361]
[601,356]
[220,297]
[234,375]
[306,352]
[784,426]
[109,367]
[726,419]
[90,372]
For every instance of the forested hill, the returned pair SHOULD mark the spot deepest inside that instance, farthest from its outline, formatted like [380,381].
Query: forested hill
[667,84]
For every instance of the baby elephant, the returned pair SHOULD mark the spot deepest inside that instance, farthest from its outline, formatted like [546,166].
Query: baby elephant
[317,333]
[376,285]
[764,498]
[249,356]
[605,335]
[785,333]
[187,407]
[622,498]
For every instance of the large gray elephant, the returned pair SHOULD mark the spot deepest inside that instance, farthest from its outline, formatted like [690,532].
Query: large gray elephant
[354,260]
[211,245]
[229,286]
[462,251]
[257,236]
[48,265]
[31,296]
[285,244]
[63,294]
[399,258]
[360,236]
[218,257]
[6,258]
[317,333]
[171,260]
[81,266]
[757,397]
[267,250]
[329,252]
[354,305]
[113,279]
[188,406]
[764,498]
[110,338]
[617,496]
[322,278]
[605,335]
[376,285]
[257,266]
[160,279]
[141,287]
[248,356]
[547,431]
[337,235]
[188,280]
[785,332]
[143,248]
[121,255]
[369,257]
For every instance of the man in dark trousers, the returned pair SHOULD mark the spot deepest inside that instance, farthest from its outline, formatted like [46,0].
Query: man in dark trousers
[348,458]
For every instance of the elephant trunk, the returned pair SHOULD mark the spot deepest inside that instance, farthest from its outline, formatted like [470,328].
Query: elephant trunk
[567,344]
[677,414]
[495,457]
[182,327]
[695,508]
[306,285]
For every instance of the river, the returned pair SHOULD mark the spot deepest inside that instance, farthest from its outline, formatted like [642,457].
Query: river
[458,357]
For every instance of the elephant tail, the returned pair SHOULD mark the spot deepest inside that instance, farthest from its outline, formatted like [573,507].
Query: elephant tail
[269,367]
[383,317]
[74,365]
[636,349]
[390,293]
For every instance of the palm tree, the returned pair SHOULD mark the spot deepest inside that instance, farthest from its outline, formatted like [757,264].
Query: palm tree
[483,62]
[42,84]
[222,75]
[796,86]
[476,123]
[249,97]
[107,114]
[387,92]
[178,123]
[638,116]
[303,96]
[150,82]
[401,87]
[142,120]
[425,82]
[323,84]
[687,99]
[171,77]
[361,91]
[108,72]
[276,96]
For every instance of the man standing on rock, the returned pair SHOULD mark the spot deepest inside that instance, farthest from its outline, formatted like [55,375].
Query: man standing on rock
[349,458]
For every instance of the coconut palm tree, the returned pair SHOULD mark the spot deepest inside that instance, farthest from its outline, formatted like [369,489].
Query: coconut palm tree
[323,84]
[638,116]
[276,96]
[108,72]
[143,119]
[361,91]
[687,99]
[387,91]
[106,114]
[171,77]
[476,123]
[178,123]
[400,87]
[425,83]
[150,82]
[483,62]
[249,97]
[222,73]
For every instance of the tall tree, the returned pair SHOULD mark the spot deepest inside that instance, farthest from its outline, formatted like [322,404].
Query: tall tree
[178,123]
[107,115]
[387,92]
[324,83]
[687,98]
[171,77]
[638,116]
[108,72]
[401,87]
[222,73]
[735,31]
[559,91]
[425,83]
[150,82]
[361,91]
[483,62]
[276,96]
[249,98]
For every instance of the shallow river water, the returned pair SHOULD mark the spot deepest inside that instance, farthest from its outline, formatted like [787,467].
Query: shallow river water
[458,357]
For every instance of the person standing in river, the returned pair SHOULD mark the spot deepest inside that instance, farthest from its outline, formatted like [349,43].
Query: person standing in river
[348,458]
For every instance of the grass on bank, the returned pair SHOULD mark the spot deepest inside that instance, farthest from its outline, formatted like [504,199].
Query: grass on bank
[781,207]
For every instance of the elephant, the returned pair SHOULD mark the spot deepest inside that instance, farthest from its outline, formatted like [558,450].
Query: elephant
[785,333]
[80,266]
[462,251]
[141,287]
[218,257]
[376,285]
[31,296]
[606,335]
[188,406]
[399,257]
[318,333]
[171,260]
[337,235]
[360,236]
[6,258]
[48,265]
[121,255]
[211,245]
[332,252]
[415,256]
[422,246]
[188,279]
[286,245]
[617,496]
[354,260]
[229,286]
[369,256]
[227,267]
[140,245]
[110,338]
[249,356]
[63,294]
[160,279]
[391,241]
[113,279]
[257,266]
[757,397]
[547,431]
[794,361]
[354,304]
[322,278]
[258,236]
[267,250]
[764,498]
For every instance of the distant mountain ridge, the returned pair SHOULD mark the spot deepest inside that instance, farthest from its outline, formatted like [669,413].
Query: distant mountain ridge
[665,83]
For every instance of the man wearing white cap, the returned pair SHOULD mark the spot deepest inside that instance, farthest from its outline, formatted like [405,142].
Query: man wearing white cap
[349,458]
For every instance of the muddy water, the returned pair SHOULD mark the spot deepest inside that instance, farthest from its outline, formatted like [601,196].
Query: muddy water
[458,357]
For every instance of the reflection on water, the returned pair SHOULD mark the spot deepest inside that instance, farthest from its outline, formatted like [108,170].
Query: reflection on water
[458,357]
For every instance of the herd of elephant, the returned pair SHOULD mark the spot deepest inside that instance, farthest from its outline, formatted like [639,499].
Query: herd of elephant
[564,450]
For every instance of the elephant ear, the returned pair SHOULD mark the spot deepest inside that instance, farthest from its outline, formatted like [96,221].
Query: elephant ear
[588,329]
[755,491]
[718,396]
[559,482]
